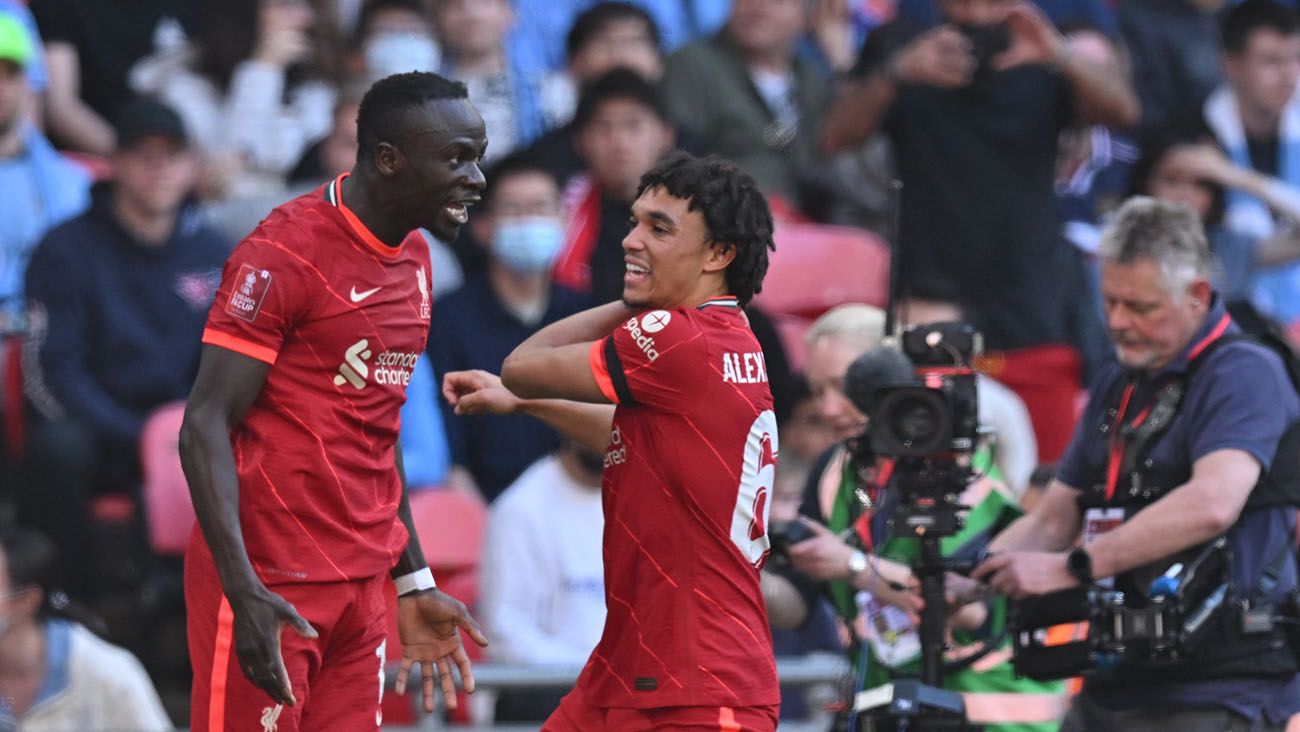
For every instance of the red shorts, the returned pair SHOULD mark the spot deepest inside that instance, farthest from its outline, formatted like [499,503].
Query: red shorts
[577,714]
[337,679]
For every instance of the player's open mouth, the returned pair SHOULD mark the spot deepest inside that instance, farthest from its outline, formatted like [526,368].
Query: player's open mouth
[635,273]
[459,210]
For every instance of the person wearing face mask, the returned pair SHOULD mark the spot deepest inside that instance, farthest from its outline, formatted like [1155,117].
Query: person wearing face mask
[396,36]
[55,674]
[477,325]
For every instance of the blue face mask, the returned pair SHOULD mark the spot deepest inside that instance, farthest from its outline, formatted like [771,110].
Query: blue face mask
[528,245]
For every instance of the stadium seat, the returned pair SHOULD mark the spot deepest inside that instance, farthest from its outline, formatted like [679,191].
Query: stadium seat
[816,267]
[169,514]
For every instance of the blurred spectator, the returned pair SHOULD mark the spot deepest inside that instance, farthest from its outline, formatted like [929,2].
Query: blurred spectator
[478,325]
[90,48]
[804,434]
[543,599]
[751,98]
[41,187]
[38,77]
[604,37]
[1256,116]
[1187,167]
[622,129]
[395,36]
[117,301]
[975,110]
[250,91]
[334,153]
[1063,13]
[506,92]
[1173,46]
[1094,161]
[538,37]
[55,674]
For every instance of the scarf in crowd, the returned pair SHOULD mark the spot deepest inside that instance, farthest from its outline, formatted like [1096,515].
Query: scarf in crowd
[582,210]
[1276,290]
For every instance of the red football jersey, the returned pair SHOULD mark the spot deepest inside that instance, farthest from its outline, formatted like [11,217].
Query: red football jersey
[342,318]
[687,480]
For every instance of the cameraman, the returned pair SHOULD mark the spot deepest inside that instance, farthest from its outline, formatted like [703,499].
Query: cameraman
[854,553]
[1189,484]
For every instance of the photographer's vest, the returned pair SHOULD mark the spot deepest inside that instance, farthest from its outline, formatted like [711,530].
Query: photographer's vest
[1133,480]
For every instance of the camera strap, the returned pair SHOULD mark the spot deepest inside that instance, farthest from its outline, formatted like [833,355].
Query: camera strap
[862,525]
[1128,440]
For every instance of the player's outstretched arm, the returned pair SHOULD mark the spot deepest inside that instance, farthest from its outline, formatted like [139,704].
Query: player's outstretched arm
[226,385]
[479,392]
[554,362]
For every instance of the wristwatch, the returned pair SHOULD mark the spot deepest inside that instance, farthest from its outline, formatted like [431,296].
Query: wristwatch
[857,563]
[1079,564]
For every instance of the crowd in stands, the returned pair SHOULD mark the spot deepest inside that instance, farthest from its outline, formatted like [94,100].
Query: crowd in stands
[140,141]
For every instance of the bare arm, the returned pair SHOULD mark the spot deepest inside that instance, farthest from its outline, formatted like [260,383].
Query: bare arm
[68,118]
[1197,511]
[1102,95]
[479,392]
[1053,525]
[553,363]
[226,385]
[1200,509]
[940,58]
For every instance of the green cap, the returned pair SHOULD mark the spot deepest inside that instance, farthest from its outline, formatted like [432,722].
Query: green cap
[15,45]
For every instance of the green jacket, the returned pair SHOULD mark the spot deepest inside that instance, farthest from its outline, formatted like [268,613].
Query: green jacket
[992,513]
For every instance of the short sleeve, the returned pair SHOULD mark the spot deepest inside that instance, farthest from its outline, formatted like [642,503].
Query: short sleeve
[656,359]
[264,293]
[1225,416]
[1075,466]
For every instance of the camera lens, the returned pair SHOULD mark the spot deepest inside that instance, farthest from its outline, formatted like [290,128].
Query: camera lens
[914,420]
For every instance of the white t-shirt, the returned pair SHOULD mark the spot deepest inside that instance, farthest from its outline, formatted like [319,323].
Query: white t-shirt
[543,591]
[94,687]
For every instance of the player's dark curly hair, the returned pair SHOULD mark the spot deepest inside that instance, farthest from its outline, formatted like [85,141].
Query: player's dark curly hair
[383,108]
[735,212]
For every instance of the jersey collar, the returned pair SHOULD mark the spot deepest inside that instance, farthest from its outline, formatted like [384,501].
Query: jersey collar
[726,301]
[334,194]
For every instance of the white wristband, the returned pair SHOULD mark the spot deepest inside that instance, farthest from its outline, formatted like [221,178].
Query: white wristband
[419,580]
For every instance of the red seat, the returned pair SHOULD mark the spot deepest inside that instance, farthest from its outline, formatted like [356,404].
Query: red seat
[169,513]
[816,267]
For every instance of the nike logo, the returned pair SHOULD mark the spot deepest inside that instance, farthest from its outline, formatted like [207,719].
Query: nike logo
[359,296]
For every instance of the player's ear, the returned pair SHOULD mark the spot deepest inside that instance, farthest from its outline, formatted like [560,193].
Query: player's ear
[388,159]
[720,257]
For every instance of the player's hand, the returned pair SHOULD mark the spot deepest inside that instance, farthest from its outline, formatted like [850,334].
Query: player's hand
[1034,40]
[428,623]
[478,392]
[259,618]
[1018,574]
[941,57]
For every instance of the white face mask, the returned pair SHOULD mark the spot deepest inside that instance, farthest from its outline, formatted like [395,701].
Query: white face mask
[398,52]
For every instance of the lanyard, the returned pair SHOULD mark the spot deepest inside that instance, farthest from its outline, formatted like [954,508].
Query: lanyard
[863,523]
[1117,438]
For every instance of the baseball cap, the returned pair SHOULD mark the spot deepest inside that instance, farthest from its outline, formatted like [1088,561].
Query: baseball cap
[15,44]
[147,118]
